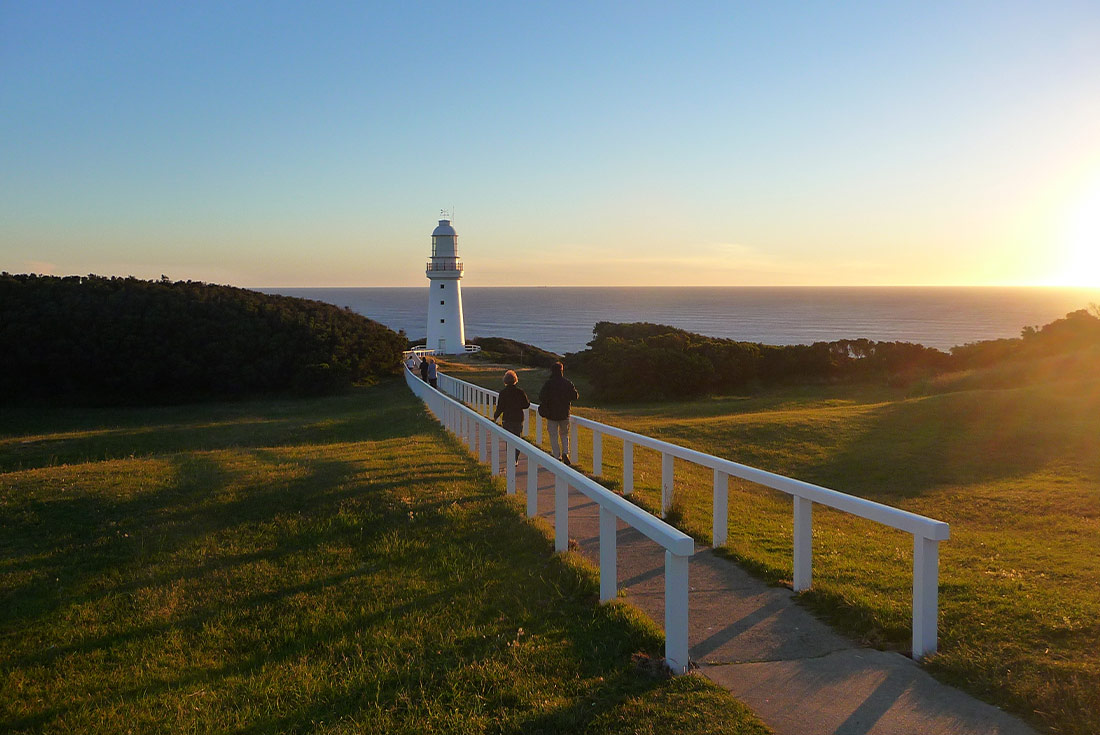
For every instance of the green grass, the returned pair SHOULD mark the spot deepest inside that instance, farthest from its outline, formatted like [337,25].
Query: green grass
[1010,458]
[329,565]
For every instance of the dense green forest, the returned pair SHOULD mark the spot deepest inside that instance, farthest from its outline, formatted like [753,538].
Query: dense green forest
[642,361]
[97,339]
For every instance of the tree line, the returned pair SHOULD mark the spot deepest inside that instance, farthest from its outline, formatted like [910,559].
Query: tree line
[94,338]
[643,361]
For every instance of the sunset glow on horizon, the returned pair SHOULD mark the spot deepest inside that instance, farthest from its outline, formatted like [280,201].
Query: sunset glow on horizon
[901,145]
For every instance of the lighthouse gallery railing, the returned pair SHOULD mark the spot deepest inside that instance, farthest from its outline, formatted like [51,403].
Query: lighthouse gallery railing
[927,533]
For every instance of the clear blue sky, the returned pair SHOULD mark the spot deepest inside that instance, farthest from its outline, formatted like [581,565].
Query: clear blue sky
[302,144]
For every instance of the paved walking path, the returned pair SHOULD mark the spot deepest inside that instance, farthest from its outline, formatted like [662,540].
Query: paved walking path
[794,671]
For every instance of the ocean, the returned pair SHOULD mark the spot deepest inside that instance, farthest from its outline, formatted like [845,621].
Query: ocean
[560,319]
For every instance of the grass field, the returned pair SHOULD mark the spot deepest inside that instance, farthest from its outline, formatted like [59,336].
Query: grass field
[1010,458]
[329,565]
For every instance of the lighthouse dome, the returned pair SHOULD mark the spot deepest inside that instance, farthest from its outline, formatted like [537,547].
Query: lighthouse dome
[444,229]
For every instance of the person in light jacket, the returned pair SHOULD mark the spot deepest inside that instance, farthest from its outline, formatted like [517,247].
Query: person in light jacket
[512,404]
[433,373]
[555,400]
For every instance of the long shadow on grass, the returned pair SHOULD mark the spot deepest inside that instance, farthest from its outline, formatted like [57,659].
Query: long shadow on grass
[89,542]
[910,447]
[185,514]
[376,413]
[390,546]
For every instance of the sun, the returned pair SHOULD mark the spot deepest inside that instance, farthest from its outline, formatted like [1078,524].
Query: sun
[1081,241]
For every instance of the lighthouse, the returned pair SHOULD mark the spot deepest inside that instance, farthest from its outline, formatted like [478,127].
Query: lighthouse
[446,332]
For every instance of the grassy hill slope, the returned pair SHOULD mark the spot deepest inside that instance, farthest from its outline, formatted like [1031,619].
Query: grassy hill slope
[324,565]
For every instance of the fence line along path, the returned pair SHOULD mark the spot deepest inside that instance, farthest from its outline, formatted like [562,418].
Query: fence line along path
[794,671]
[484,438]
[926,532]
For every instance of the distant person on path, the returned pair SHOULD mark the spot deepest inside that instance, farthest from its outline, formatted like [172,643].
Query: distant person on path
[512,403]
[554,402]
[424,369]
[411,362]
[433,373]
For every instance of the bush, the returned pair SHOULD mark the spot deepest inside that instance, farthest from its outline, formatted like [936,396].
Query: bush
[642,361]
[128,340]
[502,349]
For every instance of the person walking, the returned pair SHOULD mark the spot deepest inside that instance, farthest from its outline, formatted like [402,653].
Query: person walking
[424,368]
[433,373]
[555,398]
[512,404]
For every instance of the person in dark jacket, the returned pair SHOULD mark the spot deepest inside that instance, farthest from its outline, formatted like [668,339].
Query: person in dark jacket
[512,404]
[554,403]
[424,368]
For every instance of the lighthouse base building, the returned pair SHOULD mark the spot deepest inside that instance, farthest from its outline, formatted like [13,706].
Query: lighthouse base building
[446,330]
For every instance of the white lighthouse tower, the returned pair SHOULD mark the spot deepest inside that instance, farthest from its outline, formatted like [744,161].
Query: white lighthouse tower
[446,331]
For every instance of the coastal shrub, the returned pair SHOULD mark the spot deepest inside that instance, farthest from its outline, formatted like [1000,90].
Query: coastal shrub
[1076,331]
[92,338]
[643,361]
[502,349]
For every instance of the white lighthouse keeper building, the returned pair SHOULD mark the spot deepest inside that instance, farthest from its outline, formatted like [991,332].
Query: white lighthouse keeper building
[446,331]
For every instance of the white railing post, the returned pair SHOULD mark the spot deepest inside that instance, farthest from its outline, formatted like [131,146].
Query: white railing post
[532,486]
[628,467]
[666,482]
[609,589]
[495,454]
[483,442]
[676,612]
[926,573]
[719,533]
[574,442]
[471,432]
[561,514]
[803,543]
[510,466]
[597,452]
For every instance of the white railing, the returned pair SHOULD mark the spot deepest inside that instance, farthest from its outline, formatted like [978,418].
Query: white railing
[484,437]
[927,533]
[422,350]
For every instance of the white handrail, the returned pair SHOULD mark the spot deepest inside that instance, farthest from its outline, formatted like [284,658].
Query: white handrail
[475,429]
[926,532]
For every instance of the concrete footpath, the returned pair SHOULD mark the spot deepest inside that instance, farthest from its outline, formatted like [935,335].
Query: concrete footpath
[798,674]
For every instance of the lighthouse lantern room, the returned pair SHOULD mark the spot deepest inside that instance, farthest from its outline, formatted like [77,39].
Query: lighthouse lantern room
[446,331]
